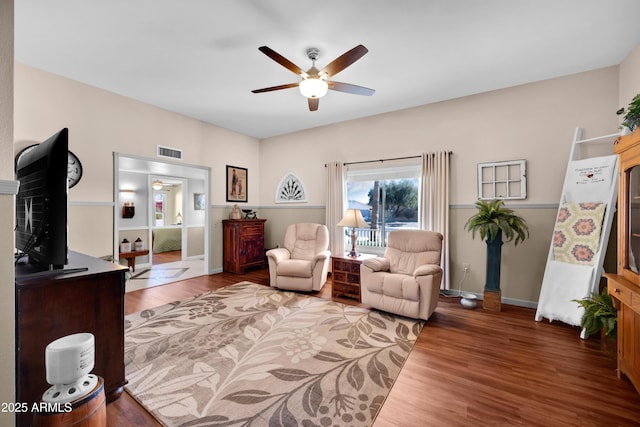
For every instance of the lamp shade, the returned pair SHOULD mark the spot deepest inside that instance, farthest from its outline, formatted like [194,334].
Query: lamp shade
[157,185]
[353,218]
[313,88]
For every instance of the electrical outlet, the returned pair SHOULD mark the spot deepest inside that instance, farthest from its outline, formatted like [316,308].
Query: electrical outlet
[466,267]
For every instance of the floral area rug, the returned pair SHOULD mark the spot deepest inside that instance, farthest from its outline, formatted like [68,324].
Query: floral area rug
[250,355]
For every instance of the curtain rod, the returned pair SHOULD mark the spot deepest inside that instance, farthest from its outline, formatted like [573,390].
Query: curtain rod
[386,160]
[381,160]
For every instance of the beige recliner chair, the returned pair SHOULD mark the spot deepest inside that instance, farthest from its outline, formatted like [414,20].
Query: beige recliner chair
[406,281]
[302,264]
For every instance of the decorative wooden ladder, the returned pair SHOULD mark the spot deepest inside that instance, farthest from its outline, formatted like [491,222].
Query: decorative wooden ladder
[564,282]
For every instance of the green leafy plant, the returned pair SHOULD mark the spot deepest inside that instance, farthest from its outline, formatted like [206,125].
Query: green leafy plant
[492,217]
[632,114]
[599,314]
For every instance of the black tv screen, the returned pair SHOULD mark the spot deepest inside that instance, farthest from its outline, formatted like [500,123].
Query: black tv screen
[41,203]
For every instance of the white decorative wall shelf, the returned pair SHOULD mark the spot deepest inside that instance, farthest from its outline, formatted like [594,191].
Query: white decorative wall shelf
[290,190]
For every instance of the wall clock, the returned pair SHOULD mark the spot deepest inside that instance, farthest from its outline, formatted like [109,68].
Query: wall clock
[74,167]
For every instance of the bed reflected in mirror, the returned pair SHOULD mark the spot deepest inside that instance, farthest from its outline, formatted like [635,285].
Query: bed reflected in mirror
[167,223]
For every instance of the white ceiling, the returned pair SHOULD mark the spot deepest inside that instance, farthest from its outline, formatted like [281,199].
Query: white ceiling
[200,58]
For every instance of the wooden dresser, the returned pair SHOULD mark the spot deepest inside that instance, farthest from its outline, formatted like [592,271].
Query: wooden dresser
[243,244]
[624,286]
[50,307]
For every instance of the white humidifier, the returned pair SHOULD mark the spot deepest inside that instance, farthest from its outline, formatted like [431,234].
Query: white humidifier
[468,300]
[68,362]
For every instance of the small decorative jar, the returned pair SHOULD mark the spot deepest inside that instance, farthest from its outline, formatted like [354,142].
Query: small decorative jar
[235,212]
[138,245]
[125,246]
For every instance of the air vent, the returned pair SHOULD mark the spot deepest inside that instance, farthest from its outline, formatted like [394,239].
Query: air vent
[171,153]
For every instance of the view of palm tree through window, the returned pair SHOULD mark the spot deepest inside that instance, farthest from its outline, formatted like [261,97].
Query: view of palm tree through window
[386,205]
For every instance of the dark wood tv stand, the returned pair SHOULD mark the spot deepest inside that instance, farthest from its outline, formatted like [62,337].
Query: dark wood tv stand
[52,306]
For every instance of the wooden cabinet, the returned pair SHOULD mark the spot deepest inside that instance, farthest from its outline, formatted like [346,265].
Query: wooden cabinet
[345,272]
[627,296]
[243,244]
[624,286]
[50,307]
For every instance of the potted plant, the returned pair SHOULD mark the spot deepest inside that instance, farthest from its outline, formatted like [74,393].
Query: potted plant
[495,222]
[600,316]
[631,119]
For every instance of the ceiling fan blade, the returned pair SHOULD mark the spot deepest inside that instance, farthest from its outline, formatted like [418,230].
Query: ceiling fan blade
[313,103]
[272,88]
[349,88]
[283,61]
[344,60]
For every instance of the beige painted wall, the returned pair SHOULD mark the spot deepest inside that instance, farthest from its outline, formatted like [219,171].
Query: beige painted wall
[7,220]
[91,219]
[101,123]
[629,78]
[216,215]
[278,218]
[195,241]
[535,122]
[7,217]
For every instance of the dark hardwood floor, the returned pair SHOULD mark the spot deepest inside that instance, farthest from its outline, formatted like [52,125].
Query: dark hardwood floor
[165,257]
[468,368]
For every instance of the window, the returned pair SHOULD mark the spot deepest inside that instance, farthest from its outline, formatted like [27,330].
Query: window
[388,195]
[502,180]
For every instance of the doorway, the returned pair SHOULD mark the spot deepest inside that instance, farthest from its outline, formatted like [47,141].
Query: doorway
[167,222]
[165,218]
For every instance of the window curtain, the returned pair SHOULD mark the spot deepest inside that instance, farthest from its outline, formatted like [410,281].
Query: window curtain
[335,206]
[434,202]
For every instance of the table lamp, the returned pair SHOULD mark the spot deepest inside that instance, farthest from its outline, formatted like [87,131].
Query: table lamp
[353,218]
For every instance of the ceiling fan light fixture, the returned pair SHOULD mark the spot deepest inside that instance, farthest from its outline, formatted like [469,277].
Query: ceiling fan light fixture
[315,83]
[313,87]
[157,185]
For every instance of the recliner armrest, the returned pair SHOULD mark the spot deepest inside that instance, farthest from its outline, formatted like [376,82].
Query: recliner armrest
[278,254]
[377,264]
[321,256]
[427,270]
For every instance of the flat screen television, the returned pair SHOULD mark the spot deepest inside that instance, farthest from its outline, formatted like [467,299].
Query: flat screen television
[41,203]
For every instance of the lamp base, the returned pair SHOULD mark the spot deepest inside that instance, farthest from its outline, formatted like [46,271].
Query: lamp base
[353,254]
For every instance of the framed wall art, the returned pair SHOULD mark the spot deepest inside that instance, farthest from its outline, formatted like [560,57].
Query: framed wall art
[198,201]
[236,184]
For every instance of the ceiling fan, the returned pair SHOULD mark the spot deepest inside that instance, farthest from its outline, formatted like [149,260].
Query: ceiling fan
[315,83]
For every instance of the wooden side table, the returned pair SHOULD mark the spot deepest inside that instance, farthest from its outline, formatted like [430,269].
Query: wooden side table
[131,257]
[345,272]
